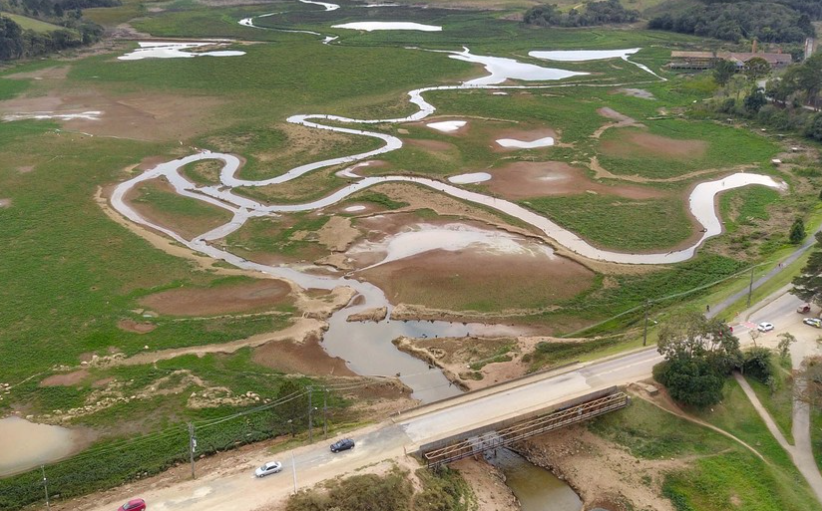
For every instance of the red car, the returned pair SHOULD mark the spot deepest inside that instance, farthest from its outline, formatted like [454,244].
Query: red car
[133,505]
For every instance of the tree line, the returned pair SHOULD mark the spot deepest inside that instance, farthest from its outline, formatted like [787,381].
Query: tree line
[789,102]
[17,43]
[595,13]
[764,21]
[49,10]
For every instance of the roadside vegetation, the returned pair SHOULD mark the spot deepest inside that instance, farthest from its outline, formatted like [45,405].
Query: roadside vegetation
[445,490]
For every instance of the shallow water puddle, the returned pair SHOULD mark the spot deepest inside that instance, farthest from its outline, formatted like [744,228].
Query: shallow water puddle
[170,50]
[522,144]
[24,444]
[474,177]
[370,26]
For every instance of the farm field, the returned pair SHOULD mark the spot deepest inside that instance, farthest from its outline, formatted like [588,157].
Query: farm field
[187,238]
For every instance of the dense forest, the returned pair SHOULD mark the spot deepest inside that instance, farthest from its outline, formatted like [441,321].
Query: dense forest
[788,21]
[16,43]
[595,13]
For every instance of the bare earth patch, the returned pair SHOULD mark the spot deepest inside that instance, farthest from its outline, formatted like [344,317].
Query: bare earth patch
[430,145]
[636,144]
[4,203]
[475,280]
[225,299]
[129,325]
[488,484]
[338,234]
[523,180]
[135,116]
[307,357]
[65,380]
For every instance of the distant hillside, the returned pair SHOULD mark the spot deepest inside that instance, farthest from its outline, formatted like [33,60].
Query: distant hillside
[30,23]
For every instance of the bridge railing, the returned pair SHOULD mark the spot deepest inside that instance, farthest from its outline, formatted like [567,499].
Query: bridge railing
[527,428]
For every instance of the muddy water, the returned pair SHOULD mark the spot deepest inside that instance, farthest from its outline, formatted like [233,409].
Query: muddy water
[536,488]
[24,444]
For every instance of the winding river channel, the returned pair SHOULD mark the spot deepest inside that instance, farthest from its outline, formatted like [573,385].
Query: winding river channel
[367,346]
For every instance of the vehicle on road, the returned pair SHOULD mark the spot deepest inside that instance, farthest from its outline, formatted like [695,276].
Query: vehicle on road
[133,505]
[764,326]
[342,445]
[816,322]
[272,467]
[804,308]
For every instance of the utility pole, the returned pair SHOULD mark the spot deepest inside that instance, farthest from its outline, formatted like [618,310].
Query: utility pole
[645,332]
[750,286]
[45,485]
[310,415]
[325,410]
[192,446]
[294,471]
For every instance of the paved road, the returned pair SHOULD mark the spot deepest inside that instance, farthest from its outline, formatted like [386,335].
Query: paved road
[237,490]
[724,304]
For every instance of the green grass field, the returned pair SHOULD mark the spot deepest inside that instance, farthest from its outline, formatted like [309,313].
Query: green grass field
[721,472]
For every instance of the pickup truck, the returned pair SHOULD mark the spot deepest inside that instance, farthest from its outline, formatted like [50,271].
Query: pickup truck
[804,308]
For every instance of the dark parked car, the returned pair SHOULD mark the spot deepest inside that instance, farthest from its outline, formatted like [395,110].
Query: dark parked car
[133,505]
[342,445]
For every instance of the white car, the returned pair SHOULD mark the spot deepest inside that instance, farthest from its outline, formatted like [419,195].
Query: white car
[764,326]
[272,467]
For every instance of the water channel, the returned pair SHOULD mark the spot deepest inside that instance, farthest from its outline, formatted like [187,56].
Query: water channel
[536,489]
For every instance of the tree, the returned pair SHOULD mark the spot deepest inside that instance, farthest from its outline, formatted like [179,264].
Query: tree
[692,335]
[723,72]
[784,346]
[798,233]
[11,39]
[808,284]
[699,353]
[294,402]
[756,68]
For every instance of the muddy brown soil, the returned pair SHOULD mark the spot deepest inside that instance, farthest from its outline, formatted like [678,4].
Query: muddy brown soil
[224,299]
[307,357]
[472,279]
[65,380]
[522,180]
[154,117]
[488,484]
[129,325]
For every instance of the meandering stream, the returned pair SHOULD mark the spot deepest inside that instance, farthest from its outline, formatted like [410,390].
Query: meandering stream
[367,346]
